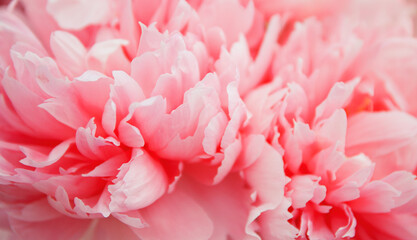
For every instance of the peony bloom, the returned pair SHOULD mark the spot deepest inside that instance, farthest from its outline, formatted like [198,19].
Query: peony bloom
[340,113]
[96,131]
[207,120]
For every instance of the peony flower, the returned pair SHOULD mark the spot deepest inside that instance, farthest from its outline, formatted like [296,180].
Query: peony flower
[207,120]
[92,132]
[336,111]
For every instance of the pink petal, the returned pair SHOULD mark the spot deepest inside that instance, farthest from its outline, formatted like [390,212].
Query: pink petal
[111,228]
[387,226]
[26,105]
[364,132]
[347,230]
[38,160]
[213,133]
[338,97]
[61,227]
[93,147]
[92,101]
[266,176]
[305,188]
[69,53]
[35,211]
[186,221]
[38,220]
[406,183]
[10,119]
[108,168]
[231,16]
[375,197]
[213,173]
[252,148]
[75,15]
[139,183]
[130,135]
[146,70]
[265,54]
[227,204]
[128,27]
[125,91]
[333,129]
[107,56]
[16,31]
[132,218]
[275,225]
[298,141]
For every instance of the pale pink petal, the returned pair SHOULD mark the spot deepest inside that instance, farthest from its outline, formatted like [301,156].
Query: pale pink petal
[144,10]
[139,183]
[252,148]
[66,111]
[131,218]
[69,53]
[76,15]
[344,229]
[40,75]
[214,132]
[231,16]
[333,129]
[266,176]
[262,103]
[299,8]
[375,197]
[264,56]
[227,204]
[214,172]
[95,206]
[36,159]
[326,162]
[13,31]
[301,138]
[406,183]
[38,220]
[125,91]
[33,212]
[9,118]
[61,227]
[146,70]
[107,56]
[150,38]
[129,27]
[180,16]
[275,225]
[109,118]
[72,185]
[92,101]
[387,226]
[130,135]
[108,168]
[110,228]
[305,188]
[364,132]
[317,227]
[97,148]
[140,114]
[186,221]
[26,105]
[352,174]
[338,97]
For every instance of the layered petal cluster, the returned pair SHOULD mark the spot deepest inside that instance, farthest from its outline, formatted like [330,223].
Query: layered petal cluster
[207,119]
[339,113]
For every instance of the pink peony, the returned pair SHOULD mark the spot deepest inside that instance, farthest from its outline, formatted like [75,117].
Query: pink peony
[339,111]
[207,119]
